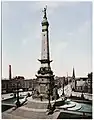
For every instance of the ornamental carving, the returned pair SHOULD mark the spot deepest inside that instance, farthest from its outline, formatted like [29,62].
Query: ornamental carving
[45,70]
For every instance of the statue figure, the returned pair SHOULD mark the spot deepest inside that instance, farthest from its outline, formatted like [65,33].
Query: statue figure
[45,11]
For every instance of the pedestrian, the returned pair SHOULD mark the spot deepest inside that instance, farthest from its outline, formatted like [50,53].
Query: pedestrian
[41,98]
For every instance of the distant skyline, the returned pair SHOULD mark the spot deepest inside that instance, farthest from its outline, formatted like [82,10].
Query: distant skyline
[70,37]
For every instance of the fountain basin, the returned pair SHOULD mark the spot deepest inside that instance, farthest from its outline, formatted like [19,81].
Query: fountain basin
[76,107]
[72,104]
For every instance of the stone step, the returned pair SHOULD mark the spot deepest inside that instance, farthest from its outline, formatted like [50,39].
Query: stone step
[36,105]
[30,114]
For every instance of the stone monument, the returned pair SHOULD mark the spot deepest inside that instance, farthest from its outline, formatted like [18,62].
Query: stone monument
[45,77]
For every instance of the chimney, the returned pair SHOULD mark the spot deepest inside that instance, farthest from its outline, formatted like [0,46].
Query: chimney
[9,72]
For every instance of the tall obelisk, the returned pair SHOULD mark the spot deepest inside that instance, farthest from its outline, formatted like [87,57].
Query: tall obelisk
[45,77]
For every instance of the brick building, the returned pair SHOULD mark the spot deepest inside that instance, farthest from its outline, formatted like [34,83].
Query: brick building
[11,85]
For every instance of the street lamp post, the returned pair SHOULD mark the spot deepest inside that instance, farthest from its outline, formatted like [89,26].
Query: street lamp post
[18,102]
[63,89]
[54,106]
[63,86]
[82,95]
[49,104]
[14,92]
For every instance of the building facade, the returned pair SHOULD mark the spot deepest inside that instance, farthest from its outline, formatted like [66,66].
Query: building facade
[9,86]
[82,84]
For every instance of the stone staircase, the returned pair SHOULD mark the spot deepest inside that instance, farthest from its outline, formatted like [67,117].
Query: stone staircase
[19,113]
[36,105]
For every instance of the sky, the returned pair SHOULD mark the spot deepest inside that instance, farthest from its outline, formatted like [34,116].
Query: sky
[70,37]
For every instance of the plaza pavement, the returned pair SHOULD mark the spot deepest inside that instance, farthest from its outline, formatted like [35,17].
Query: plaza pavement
[28,113]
